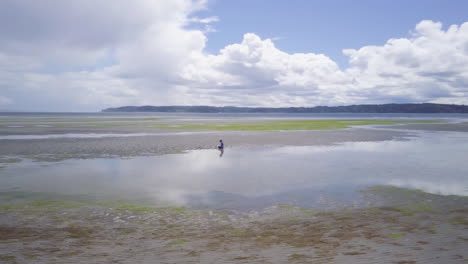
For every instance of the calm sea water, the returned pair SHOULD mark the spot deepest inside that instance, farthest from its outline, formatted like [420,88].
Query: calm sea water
[314,176]
[13,115]
[249,178]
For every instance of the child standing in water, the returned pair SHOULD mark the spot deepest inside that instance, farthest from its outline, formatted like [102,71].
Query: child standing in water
[221,148]
[221,145]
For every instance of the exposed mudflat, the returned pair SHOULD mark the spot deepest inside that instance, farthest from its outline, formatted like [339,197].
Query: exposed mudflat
[64,148]
[413,227]
[91,142]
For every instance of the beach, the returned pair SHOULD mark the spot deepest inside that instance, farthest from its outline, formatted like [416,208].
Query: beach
[158,191]
[93,137]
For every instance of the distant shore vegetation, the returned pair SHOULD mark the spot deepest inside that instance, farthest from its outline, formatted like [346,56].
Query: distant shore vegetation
[322,124]
[380,108]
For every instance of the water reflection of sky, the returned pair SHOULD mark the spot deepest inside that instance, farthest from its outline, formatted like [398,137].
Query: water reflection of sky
[433,162]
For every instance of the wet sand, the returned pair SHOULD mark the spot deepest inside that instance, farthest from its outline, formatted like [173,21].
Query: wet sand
[63,148]
[165,141]
[412,227]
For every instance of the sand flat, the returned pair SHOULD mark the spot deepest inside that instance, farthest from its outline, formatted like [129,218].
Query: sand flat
[389,225]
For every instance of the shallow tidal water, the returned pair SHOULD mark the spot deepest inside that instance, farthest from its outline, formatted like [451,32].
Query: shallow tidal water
[314,201]
[255,178]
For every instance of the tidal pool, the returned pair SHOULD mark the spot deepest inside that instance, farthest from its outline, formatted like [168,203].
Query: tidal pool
[252,178]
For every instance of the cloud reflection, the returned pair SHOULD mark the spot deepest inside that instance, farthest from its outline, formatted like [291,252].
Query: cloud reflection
[434,162]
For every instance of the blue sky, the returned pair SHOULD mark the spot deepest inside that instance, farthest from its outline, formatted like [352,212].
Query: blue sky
[65,55]
[326,26]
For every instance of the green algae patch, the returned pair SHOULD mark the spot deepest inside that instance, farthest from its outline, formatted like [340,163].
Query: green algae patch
[240,258]
[392,190]
[10,160]
[296,256]
[395,236]
[126,231]
[413,201]
[9,207]
[175,209]
[458,197]
[76,231]
[130,206]
[38,202]
[135,208]
[285,206]
[423,207]
[236,231]
[405,211]
[56,204]
[413,208]
[322,124]
[310,211]
[142,207]
[8,259]
[179,242]
[459,220]
[32,206]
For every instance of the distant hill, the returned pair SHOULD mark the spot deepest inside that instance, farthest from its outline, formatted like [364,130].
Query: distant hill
[382,108]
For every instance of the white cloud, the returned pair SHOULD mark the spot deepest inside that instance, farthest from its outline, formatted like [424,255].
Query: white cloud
[255,72]
[430,66]
[87,55]
[5,101]
[205,20]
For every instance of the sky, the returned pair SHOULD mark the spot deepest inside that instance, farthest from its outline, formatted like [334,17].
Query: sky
[64,55]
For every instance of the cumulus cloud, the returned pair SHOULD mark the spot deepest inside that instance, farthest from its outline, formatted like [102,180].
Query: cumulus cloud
[430,66]
[82,32]
[87,55]
[264,75]
[66,55]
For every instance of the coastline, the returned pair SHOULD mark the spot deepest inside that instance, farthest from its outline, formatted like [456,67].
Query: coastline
[395,225]
[130,142]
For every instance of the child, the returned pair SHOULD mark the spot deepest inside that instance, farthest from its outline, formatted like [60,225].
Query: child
[221,145]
